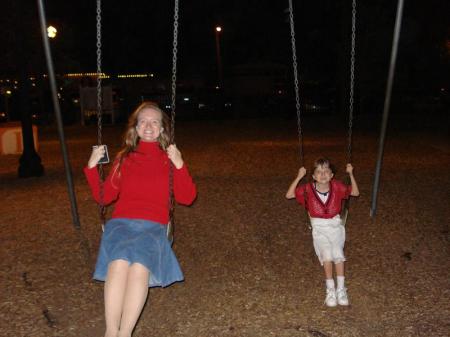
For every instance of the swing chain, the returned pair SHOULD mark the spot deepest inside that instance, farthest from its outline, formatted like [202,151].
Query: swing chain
[174,72]
[346,203]
[296,81]
[99,71]
[352,82]
[171,223]
[102,208]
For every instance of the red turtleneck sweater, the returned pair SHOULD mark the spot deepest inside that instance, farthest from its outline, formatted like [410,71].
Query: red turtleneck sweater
[140,189]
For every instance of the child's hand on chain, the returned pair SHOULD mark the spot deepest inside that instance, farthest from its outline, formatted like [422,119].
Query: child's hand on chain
[301,173]
[349,169]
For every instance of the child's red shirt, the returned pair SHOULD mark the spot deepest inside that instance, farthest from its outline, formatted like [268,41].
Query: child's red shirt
[315,206]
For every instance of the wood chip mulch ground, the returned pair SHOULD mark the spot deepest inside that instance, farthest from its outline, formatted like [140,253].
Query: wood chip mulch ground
[245,250]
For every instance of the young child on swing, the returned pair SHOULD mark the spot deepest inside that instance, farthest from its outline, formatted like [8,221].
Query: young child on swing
[323,198]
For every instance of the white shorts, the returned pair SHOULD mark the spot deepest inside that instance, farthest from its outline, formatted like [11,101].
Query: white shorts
[328,239]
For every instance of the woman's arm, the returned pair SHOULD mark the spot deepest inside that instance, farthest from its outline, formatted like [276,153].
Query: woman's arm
[110,189]
[184,188]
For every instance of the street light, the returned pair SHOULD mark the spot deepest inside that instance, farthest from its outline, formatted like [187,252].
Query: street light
[219,60]
[51,32]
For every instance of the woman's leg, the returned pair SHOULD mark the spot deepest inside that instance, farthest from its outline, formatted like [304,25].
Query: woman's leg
[115,285]
[135,297]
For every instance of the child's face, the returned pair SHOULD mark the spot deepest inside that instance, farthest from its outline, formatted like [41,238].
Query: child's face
[322,174]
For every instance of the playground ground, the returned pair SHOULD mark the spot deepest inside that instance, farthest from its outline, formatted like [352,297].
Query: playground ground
[247,254]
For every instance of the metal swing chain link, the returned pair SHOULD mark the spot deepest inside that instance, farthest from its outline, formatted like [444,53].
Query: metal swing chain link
[296,81]
[174,72]
[346,203]
[352,82]
[102,208]
[297,98]
[172,116]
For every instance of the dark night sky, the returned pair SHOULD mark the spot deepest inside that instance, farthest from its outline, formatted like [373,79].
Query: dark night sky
[137,35]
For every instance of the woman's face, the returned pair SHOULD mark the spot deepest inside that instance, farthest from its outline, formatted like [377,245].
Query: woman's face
[149,125]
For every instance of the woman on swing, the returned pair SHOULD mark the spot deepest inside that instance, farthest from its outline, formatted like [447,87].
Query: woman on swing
[135,253]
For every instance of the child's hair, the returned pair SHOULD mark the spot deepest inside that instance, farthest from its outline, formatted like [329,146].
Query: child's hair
[324,162]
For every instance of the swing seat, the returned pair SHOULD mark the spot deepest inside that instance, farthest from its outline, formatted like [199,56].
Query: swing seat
[169,231]
[344,216]
[344,211]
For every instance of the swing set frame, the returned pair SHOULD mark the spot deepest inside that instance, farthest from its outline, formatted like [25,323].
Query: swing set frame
[57,109]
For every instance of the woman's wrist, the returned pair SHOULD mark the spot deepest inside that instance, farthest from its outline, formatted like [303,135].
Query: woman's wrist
[178,165]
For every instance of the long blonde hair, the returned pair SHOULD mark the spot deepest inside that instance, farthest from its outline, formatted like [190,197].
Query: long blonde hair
[131,138]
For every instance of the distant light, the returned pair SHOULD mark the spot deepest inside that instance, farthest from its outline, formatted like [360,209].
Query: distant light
[133,75]
[218,29]
[8,92]
[186,99]
[51,32]
[217,87]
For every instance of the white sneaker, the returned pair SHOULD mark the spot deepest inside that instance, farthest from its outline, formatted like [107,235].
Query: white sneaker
[342,297]
[330,300]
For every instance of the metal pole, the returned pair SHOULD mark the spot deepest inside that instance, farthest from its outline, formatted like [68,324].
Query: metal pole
[51,76]
[387,102]
[219,59]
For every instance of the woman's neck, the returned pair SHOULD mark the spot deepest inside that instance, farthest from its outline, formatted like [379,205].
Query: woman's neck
[148,147]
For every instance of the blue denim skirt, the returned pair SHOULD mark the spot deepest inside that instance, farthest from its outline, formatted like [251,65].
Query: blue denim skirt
[139,241]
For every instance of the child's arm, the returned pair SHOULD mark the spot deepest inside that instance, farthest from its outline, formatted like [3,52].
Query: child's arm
[290,194]
[355,189]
